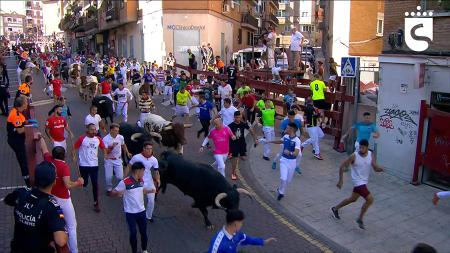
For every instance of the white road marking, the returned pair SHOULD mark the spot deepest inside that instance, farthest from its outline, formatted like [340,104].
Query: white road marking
[42,102]
[12,187]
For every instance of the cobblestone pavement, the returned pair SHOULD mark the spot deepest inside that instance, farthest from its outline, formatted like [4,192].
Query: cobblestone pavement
[177,226]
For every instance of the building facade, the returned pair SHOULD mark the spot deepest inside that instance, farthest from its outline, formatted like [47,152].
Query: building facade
[34,24]
[12,26]
[425,76]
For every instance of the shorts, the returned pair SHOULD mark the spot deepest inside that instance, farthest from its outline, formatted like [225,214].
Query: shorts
[361,190]
[181,110]
[60,144]
[333,78]
[321,104]
[237,150]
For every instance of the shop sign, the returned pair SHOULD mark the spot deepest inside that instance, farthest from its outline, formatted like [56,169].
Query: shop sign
[185,27]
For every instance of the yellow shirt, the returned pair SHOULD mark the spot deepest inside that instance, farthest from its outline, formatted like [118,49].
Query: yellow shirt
[110,71]
[318,88]
[183,97]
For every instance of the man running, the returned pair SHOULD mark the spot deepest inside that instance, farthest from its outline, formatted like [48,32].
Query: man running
[205,114]
[312,127]
[227,112]
[365,129]
[55,126]
[361,162]
[87,146]
[318,89]
[221,137]
[238,147]
[181,108]
[114,143]
[291,149]
[146,107]
[123,94]
[151,167]
[268,122]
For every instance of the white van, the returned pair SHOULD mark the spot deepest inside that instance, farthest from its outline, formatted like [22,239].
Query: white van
[243,56]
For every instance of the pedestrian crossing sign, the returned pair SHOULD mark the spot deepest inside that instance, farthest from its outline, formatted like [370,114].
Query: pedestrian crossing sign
[348,66]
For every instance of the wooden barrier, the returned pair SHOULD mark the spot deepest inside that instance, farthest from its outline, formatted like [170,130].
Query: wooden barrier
[300,88]
[32,147]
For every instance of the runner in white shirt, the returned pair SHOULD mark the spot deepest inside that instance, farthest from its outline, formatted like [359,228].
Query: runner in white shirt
[123,94]
[94,118]
[132,189]
[227,112]
[99,67]
[123,72]
[361,161]
[87,146]
[114,143]
[150,162]
[225,91]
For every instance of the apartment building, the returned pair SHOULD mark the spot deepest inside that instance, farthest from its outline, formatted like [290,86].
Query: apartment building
[34,24]
[12,25]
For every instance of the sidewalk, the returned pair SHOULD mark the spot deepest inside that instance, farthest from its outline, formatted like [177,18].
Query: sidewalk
[401,216]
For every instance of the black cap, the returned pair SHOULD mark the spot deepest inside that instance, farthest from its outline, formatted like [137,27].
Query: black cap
[45,174]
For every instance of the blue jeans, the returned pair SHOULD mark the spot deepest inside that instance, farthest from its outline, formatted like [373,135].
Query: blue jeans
[141,221]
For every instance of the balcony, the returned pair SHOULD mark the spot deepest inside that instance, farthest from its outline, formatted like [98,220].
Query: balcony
[79,25]
[274,3]
[112,14]
[91,23]
[284,20]
[285,6]
[272,19]
[249,21]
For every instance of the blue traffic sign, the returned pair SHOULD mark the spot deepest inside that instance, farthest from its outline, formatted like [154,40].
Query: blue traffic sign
[348,67]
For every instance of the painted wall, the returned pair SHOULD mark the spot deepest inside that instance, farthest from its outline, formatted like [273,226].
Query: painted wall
[152,28]
[341,30]
[51,21]
[398,112]
[306,6]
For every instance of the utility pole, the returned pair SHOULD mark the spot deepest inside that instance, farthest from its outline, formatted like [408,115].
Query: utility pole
[327,20]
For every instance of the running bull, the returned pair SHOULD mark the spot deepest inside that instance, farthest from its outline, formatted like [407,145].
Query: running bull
[201,182]
[104,107]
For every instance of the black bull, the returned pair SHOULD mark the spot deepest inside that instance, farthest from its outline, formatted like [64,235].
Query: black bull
[104,107]
[201,182]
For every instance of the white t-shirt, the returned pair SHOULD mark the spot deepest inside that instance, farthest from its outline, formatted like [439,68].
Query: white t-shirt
[123,95]
[271,39]
[88,150]
[149,163]
[227,114]
[361,169]
[99,68]
[123,71]
[296,39]
[133,194]
[94,120]
[109,141]
[225,92]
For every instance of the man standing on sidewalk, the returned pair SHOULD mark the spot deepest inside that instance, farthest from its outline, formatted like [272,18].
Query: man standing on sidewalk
[238,147]
[61,189]
[114,143]
[221,137]
[361,162]
[132,189]
[291,149]
[151,165]
[87,146]
[55,126]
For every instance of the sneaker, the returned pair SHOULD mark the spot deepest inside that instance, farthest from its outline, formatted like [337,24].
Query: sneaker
[274,165]
[280,196]
[297,169]
[97,207]
[335,213]
[233,177]
[360,224]
[435,199]
[151,220]
[144,251]
[266,158]
[318,156]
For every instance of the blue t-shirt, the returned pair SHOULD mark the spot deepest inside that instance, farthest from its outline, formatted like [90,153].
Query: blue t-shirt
[285,123]
[290,144]
[205,109]
[176,83]
[364,130]
[289,99]
[148,78]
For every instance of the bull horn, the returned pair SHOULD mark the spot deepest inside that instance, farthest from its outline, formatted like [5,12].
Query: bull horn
[135,136]
[218,198]
[155,134]
[168,127]
[244,191]
[187,125]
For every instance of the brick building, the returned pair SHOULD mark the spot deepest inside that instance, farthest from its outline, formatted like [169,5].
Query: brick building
[12,25]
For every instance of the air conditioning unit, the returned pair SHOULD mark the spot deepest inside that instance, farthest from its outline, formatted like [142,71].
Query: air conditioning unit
[226,8]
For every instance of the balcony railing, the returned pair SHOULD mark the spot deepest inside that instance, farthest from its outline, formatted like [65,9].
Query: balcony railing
[274,3]
[249,21]
[91,24]
[112,14]
[272,18]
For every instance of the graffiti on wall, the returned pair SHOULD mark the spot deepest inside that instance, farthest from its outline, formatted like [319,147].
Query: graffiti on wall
[400,122]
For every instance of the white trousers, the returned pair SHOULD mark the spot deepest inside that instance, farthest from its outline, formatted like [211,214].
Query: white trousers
[60,144]
[71,222]
[287,168]
[269,134]
[280,153]
[270,57]
[110,167]
[19,70]
[142,117]
[160,85]
[220,162]
[122,109]
[315,134]
[444,195]
[148,184]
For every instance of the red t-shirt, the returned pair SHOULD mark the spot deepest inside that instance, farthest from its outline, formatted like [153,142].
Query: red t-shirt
[248,101]
[62,170]
[56,125]
[106,87]
[56,87]
[54,63]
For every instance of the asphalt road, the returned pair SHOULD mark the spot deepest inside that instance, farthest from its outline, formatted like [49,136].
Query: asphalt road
[177,226]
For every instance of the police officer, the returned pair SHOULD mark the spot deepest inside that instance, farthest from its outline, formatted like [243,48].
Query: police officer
[38,219]
[15,127]
[4,84]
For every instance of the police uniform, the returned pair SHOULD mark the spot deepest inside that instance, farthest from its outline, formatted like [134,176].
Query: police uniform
[24,89]
[16,140]
[37,216]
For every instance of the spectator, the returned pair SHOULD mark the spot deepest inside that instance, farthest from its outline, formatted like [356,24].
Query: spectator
[232,75]
[296,48]
[220,65]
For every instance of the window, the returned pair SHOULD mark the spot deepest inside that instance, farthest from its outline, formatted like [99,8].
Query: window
[380,24]
[239,36]
[287,28]
[10,29]
[281,13]
[307,28]
[9,19]
[122,4]
[250,38]
[305,14]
